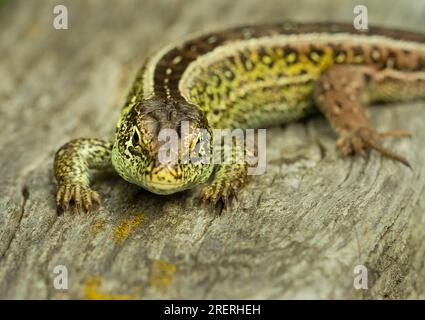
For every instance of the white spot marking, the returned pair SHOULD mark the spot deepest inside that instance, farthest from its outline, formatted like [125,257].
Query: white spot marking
[247,33]
[177,59]
[376,54]
[212,39]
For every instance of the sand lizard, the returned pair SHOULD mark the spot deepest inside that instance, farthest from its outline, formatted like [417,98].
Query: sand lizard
[250,76]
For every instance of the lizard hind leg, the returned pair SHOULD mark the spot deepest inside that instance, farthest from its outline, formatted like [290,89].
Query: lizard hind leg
[365,139]
[339,94]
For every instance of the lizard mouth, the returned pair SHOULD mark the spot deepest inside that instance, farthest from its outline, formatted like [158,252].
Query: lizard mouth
[165,185]
[163,188]
[163,182]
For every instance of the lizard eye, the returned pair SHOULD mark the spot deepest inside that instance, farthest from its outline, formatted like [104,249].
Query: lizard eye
[135,138]
[135,148]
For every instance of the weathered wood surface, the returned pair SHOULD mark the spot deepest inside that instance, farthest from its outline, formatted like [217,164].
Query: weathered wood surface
[297,232]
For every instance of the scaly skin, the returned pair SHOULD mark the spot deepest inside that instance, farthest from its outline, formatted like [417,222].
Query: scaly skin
[247,77]
[71,166]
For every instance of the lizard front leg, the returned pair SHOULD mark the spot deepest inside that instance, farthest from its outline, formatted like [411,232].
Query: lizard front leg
[71,167]
[226,183]
[229,177]
[340,94]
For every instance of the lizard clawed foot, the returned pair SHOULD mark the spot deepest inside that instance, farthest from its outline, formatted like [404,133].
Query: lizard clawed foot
[223,193]
[82,197]
[360,141]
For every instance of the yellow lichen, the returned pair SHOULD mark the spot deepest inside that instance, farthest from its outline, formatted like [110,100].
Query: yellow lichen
[97,227]
[161,274]
[92,291]
[126,226]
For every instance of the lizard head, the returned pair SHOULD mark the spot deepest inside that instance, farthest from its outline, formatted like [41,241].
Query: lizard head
[163,146]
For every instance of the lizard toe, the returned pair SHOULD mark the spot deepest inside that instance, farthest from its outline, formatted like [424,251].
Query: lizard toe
[219,193]
[362,140]
[80,196]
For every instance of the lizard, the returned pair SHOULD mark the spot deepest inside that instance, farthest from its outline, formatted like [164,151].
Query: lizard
[243,77]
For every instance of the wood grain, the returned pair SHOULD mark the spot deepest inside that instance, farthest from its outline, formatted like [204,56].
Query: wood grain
[298,231]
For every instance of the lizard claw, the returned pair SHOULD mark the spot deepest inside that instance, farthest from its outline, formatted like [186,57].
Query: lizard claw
[82,197]
[219,193]
[360,141]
